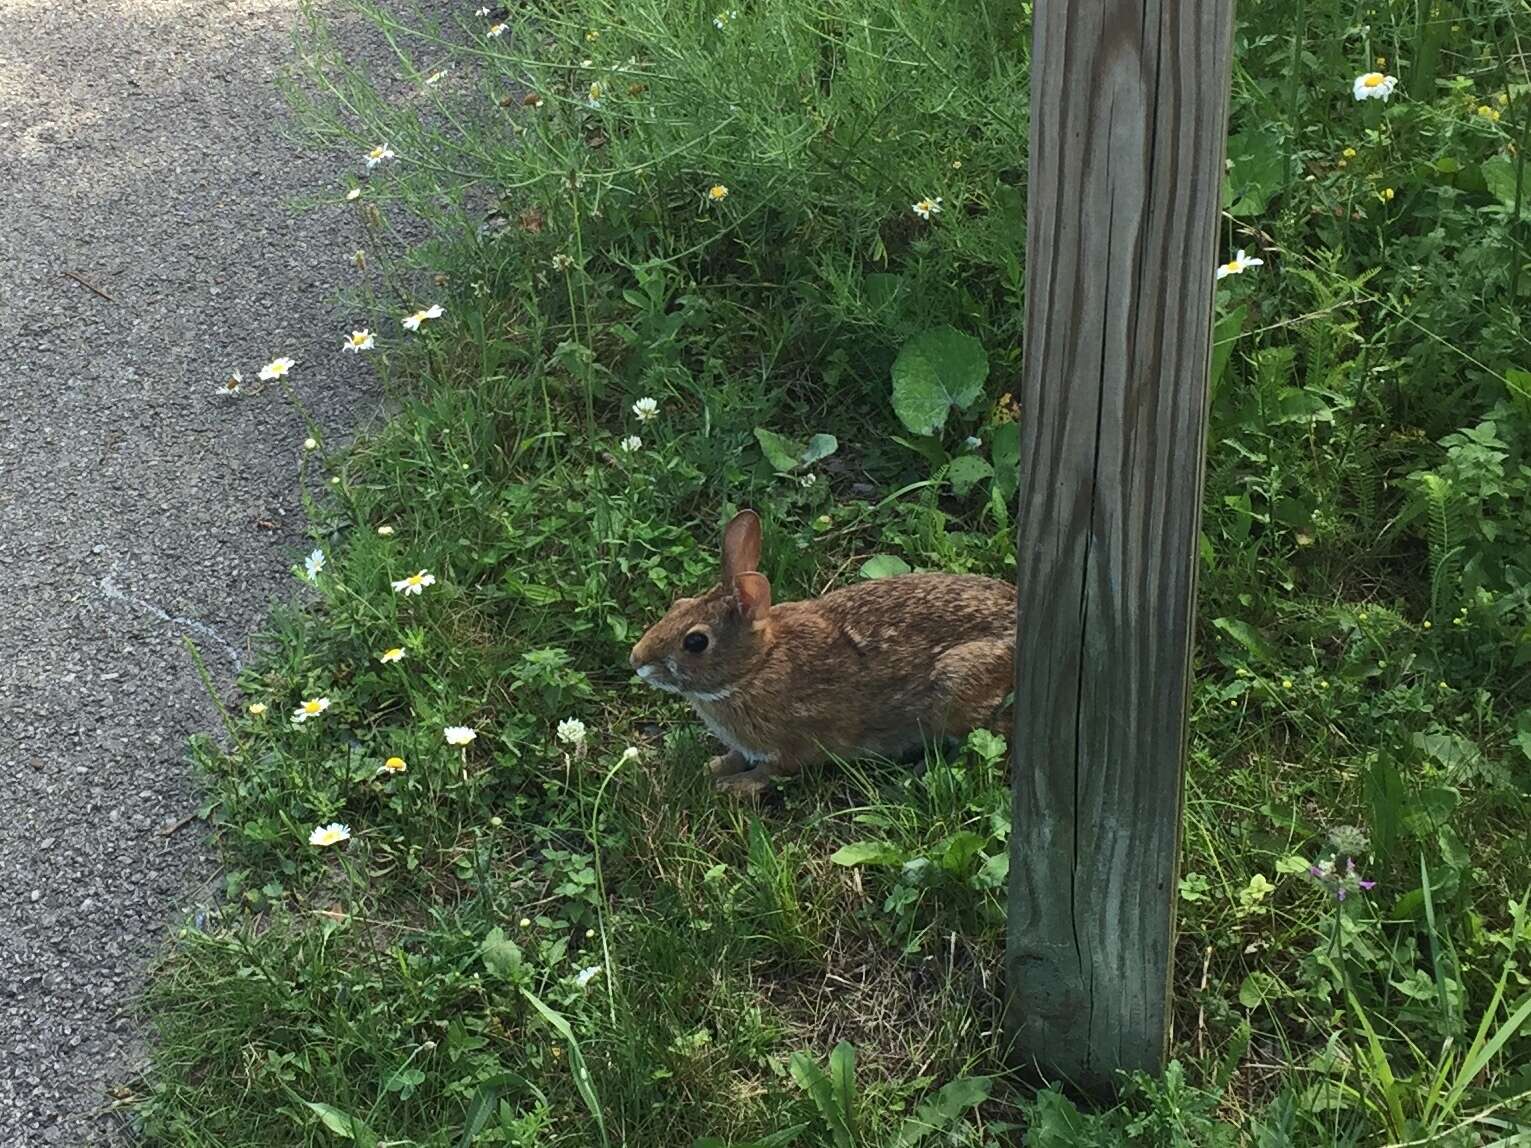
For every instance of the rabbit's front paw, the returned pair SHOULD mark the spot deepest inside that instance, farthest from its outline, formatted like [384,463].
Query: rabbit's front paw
[751,783]
[727,764]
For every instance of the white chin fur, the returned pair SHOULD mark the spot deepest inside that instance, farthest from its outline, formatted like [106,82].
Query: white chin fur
[650,675]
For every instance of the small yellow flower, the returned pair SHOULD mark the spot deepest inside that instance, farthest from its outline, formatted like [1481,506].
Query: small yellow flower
[1387,194]
[394,765]
[1323,683]
[256,709]
[1381,61]
[1425,625]
[1444,686]
[1349,153]
[1286,683]
[592,35]
[1488,113]
[1503,98]
[717,193]
[392,654]
[525,922]
[595,94]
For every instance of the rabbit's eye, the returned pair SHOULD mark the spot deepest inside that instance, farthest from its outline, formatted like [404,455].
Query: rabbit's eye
[694,642]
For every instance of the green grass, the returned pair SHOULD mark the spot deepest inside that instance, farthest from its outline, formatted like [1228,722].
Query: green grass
[824,969]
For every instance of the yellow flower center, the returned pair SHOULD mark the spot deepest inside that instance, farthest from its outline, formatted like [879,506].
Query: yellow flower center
[1231,265]
[413,579]
[394,765]
[1372,79]
[312,707]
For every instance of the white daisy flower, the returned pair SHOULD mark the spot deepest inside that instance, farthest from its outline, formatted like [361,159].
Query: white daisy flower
[415,583]
[630,445]
[585,976]
[353,195]
[496,31]
[392,654]
[459,734]
[313,707]
[359,341]
[332,834]
[412,322]
[646,409]
[229,388]
[927,207]
[571,731]
[314,563]
[717,193]
[378,155]
[276,369]
[1238,264]
[1374,86]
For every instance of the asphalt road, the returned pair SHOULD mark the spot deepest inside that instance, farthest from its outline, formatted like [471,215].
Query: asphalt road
[142,148]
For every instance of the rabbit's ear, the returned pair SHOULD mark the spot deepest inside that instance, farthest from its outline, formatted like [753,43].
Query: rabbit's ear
[753,593]
[741,546]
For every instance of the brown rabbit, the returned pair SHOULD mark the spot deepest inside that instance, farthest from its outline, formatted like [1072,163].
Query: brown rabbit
[881,667]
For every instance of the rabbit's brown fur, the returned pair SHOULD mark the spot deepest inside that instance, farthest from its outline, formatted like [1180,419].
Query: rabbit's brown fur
[878,668]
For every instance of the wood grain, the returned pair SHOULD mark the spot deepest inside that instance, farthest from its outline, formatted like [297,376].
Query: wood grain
[1129,107]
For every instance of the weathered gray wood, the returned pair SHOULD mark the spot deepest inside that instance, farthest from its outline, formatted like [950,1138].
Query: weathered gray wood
[1128,122]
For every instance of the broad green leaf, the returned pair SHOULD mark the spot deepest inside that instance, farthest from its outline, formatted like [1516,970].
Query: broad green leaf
[482,1107]
[939,1114]
[935,371]
[781,452]
[867,853]
[819,446]
[842,1075]
[967,471]
[1247,636]
[1499,175]
[1260,987]
[1005,450]
[883,566]
[501,955]
[812,1080]
[1225,333]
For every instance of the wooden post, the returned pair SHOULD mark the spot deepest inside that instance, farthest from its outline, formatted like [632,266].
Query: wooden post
[1129,109]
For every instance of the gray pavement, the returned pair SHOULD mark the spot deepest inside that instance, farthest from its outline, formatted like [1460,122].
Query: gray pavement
[142,148]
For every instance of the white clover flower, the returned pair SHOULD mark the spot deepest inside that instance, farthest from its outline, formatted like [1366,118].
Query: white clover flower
[229,388]
[630,445]
[392,654]
[495,31]
[310,444]
[585,976]
[459,734]
[393,765]
[1238,264]
[808,481]
[646,409]
[353,195]
[312,708]
[313,564]
[277,368]
[927,207]
[256,709]
[571,731]
[1374,86]
[332,834]
[630,753]
[412,322]
[562,262]
[415,583]
[385,531]
[378,155]
[359,341]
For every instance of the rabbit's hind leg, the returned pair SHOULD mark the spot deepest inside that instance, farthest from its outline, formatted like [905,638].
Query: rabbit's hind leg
[971,682]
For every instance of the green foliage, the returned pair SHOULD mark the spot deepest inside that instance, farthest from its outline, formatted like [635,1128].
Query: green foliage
[542,939]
